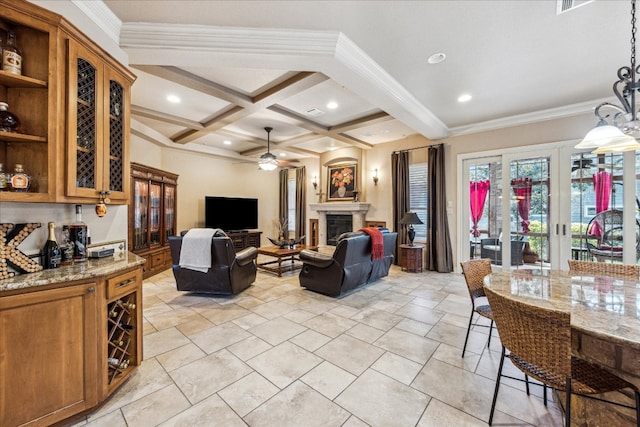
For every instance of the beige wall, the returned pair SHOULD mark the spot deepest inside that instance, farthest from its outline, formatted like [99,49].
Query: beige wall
[202,175]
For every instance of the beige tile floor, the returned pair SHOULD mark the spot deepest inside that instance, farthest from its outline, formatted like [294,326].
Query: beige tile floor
[279,355]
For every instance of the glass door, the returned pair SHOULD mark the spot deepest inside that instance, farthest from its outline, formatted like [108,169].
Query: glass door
[509,216]
[155,201]
[529,215]
[598,215]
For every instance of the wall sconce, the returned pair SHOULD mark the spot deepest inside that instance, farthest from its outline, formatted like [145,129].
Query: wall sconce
[375,177]
[315,182]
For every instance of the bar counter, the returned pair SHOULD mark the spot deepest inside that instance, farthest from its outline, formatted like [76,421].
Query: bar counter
[93,267]
[605,321]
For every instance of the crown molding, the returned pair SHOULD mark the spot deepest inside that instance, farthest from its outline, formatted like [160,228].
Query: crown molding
[523,119]
[238,40]
[102,16]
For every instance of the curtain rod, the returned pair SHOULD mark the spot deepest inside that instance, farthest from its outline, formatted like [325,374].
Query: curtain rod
[416,148]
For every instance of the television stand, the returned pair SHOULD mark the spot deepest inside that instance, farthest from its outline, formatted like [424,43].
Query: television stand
[244,239]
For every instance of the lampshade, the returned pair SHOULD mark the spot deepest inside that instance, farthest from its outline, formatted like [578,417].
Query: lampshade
[632,145]
[410,218]
[603,136]
[268,161]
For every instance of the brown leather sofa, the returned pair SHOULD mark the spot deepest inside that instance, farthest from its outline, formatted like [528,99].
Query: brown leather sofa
[230,272]
[349,267]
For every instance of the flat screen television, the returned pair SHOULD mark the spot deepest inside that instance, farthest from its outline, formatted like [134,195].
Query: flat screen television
[231,213]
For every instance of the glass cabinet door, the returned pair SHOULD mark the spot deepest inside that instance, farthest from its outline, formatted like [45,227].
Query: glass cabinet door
[116,126]
[84,169]
[141,214]
[169,211]
[155,206]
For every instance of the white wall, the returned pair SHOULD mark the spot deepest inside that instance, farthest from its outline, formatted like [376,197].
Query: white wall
[111,227]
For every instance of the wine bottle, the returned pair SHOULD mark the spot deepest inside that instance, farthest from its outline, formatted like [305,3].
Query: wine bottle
[126,326]
[52,255]
[78,235]
[126,304]
[113,313]
[118,342]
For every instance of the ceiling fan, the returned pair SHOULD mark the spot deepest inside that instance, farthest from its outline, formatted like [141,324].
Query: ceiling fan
[588,163]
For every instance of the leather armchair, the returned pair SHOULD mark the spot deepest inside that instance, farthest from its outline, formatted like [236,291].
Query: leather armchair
[349,267]
[230,272]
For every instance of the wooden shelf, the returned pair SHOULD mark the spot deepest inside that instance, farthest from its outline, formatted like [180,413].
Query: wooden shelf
[15,80]
[20,137]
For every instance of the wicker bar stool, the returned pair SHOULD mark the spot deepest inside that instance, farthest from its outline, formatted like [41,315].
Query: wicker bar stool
[539,344]
[624,271]
[474,272]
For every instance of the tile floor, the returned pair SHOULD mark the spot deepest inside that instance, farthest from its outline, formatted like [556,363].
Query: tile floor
[279,355]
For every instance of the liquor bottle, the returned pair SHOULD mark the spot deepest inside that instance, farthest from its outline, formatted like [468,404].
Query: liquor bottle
[20,180]
[52,255]
[78,235]
[67,246]
[4,180]
[9,122]
[11,55]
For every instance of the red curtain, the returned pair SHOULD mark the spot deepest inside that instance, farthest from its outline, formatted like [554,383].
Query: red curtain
[477,195]
[602,183]
[522,189]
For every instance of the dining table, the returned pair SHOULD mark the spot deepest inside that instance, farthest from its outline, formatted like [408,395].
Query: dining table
[605,326]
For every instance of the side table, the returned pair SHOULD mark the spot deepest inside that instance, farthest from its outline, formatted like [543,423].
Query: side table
[411,257]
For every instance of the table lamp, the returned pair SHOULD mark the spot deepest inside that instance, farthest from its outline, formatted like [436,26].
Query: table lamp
[409,219]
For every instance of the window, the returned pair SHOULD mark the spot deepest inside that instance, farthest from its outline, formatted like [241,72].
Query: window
[291,201]
[418,197]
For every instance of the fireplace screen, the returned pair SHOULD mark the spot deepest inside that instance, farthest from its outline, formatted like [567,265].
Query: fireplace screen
[336,225]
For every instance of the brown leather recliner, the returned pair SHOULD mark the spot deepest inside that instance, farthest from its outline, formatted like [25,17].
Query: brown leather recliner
[349,267]
[230,272]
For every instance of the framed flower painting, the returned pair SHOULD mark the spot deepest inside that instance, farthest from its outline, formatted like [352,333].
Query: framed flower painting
[342,181]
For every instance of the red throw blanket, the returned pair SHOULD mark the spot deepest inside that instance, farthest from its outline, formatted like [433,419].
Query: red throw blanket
[377,243]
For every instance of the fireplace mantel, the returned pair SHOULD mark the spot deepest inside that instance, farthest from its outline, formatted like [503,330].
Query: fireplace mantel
[357,210]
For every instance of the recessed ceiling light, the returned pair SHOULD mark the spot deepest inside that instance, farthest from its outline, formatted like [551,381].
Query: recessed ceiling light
[436,58]
[283,154]
[173,99]
[227,142]
[332,105]
[464,98]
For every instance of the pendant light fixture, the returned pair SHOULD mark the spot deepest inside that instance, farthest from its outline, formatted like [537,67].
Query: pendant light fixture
[268,161]
[620,134]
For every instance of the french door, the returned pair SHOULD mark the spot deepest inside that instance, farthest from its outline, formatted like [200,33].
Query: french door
[513,228]
[535,209]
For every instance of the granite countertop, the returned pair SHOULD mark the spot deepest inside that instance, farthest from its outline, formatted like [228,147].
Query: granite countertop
[77,271]
[606,307]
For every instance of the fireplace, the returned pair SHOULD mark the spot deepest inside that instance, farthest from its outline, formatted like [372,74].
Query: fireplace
[336,225]
[356,210]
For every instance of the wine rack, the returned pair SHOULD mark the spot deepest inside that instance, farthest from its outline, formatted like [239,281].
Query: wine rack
[121,334]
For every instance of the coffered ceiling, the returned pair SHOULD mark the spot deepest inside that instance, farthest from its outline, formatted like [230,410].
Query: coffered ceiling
[238,66]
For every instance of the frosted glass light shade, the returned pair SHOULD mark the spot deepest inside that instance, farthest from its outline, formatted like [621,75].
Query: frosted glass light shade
[268,162]
[603,136]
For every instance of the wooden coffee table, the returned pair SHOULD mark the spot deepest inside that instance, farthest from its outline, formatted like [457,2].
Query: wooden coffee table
[288,255]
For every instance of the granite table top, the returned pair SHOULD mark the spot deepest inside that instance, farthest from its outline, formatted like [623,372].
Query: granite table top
[603,306]
[78,271]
